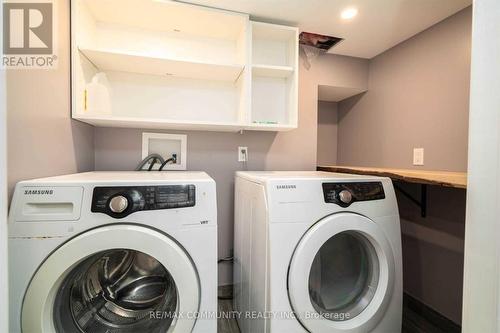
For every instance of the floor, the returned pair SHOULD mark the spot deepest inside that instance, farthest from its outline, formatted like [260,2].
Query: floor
[226,325]
[413,322]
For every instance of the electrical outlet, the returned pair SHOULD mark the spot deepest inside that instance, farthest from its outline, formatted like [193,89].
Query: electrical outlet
[418,156]
[242,154]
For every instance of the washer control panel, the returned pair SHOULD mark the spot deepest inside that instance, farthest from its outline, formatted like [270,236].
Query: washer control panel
[122,201]
[344,194]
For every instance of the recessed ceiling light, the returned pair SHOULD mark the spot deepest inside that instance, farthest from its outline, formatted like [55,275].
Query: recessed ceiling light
[349,13]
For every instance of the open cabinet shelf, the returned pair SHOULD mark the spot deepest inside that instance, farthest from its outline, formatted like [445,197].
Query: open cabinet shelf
[274,45]
[274,77]
[272,71]
[157,123]
[172,65]
[269,127]
[136,63]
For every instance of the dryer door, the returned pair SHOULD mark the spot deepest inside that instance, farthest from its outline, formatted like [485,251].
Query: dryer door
[341,275]
[120,278]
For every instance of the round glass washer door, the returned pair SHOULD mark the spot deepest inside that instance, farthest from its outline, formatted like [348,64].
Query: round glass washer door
[119,290]
[341,275]
[120,278]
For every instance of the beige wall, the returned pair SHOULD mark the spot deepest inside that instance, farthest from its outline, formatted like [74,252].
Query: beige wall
[327,133]
[216,153]
[44,141]
[418,96]
[42,138]
[297,149]
[433,248]
[376,130]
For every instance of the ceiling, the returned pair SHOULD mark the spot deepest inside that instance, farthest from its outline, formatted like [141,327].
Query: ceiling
[379,25]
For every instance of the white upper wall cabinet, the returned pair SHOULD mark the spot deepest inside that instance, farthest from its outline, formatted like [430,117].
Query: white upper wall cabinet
[168,65]
[274,77]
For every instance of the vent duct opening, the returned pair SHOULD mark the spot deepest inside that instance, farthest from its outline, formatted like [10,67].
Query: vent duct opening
[312,45]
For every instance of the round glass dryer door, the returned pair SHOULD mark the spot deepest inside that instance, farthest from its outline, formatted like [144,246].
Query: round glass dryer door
[119,278]
[344,276]
[341,274]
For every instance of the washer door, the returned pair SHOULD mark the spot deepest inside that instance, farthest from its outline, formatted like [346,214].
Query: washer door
[120,278]
[341,275]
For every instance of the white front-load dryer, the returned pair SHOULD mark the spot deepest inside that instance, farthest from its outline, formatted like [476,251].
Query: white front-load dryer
[317,252]
[114,252]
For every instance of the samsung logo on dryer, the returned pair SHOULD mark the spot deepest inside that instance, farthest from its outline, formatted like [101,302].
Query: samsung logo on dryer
[286,187]
[38,192]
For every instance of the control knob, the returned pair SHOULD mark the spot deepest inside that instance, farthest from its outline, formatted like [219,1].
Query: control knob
[345,196]
[118,204]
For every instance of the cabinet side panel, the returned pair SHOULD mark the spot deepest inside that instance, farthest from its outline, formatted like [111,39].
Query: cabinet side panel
[83,32]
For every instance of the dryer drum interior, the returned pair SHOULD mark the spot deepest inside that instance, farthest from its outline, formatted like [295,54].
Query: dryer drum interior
[344,276]
[117,290]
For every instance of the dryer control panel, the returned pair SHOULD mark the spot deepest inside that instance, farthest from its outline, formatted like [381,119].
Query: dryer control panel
[122,201]
[344,194]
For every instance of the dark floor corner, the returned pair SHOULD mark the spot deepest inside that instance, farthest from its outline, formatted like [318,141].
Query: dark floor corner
[417,317]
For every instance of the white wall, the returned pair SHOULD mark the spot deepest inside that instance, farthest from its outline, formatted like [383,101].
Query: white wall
[3,198]
[481,310]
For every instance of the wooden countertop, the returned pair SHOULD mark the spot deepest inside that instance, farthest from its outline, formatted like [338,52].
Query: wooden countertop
[439,178]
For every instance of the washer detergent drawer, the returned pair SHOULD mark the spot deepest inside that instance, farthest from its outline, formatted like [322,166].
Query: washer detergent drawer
[61,203]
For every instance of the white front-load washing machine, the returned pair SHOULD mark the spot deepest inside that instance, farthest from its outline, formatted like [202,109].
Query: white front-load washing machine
[316,252]
[114,252]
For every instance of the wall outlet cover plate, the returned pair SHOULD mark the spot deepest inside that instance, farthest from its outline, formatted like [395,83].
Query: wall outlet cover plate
[418,156]
[242,154]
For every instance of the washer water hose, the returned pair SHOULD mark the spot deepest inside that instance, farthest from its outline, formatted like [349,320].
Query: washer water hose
[151,157]
[172,159]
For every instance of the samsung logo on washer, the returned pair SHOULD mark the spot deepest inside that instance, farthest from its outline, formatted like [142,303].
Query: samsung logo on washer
[286,187]
[38,192]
